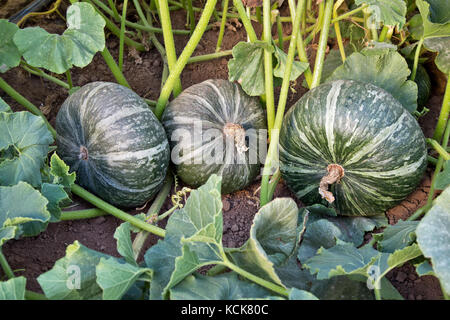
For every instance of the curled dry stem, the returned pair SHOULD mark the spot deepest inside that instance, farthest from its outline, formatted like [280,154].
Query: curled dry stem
[335,174]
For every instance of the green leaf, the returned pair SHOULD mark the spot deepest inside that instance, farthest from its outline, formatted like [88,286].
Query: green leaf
[13,289]
[4,107]
[56,195]
[433,237]
[397,236]
[342,259]
[298,67]
[415,27]
[75,47]
[424,269]
[435,18]
[60,172]
[9,54]
[21,204]
[296,294]
[247,67]
[73,277]
[24,144]
[443,177]
[386,69]
[7,233]
[116,278]
[123,238]
[273,240]
[388,12]
[222,287]
[440,45]
[322,230]
[193,239]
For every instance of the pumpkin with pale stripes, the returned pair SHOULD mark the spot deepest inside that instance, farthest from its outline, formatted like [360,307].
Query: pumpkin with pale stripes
[215,128]
[119,150]
[353,147]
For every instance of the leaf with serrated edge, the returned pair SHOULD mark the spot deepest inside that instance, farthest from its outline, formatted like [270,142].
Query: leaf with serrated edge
[60,172]
[298,67]
[433,237]
[25,133]
[13,289]
[116,278]
[77,267]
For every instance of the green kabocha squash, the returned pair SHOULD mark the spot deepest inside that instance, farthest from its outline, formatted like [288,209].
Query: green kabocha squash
[114,142]
[352,146]
[215,128]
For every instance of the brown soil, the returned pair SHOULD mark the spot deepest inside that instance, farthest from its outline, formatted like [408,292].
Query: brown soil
[31,257]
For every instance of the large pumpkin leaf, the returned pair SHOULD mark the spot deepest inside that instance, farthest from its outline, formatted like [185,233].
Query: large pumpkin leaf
[273,240]
[435,18]
[397,236]
[193,239]
[7,233]
[73,277]
[386,69]
[15,212]
[13,289]
[116,278]
[443,177]
[247,68]
[83,37]
[388,12]
[441,45]
[24,144]
[4,107]
[222,287]
[433,237]
[9,54]
[323,229]
[298,67]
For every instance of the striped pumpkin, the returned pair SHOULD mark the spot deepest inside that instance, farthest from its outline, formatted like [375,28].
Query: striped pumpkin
[213,128]
[352,146]
[118,148]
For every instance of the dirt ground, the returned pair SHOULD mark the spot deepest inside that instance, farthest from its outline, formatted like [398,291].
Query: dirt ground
[32,256]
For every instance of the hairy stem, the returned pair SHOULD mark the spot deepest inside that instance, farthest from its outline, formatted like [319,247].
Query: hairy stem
[222,25]
[5,266]
[245,20]
[82,214]
[416,59]
[41,73]
[120,78]
[268,66]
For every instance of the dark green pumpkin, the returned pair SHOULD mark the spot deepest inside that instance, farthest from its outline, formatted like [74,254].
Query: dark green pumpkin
[363,129]
[114,142]
[210,126]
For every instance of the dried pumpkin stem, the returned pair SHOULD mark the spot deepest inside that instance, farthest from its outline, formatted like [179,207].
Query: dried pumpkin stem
[335,174]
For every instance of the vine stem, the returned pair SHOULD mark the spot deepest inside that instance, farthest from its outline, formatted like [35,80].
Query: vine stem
[222,25]
[113,8]
[338,30]
[122,34]
[190,11]
[349,13]
[443,116]
[82,214]
[120,78]
[318,65]
[5,265]
[303,57]
[442,152]
[169,43]
[41,73]
[245,20]
[266,192]
[268,66]
[209,56]
[154,209]
[416,59]
[122,215]
[26,103]
[184,57]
